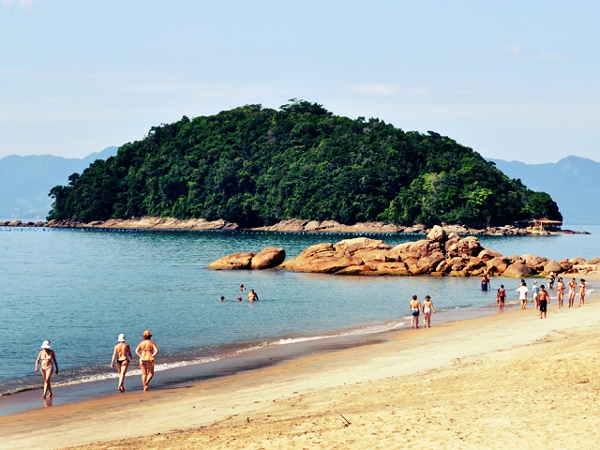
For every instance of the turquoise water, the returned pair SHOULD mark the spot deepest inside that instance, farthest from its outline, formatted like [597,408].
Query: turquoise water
[81,289]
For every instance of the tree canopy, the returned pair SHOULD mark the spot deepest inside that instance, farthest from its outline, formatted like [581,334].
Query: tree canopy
[257,166]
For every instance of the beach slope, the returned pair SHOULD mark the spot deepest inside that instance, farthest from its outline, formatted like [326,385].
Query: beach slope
[505,381]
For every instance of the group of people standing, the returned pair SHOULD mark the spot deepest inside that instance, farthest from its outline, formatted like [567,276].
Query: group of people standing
[415,310]
[541,297]
[146,351]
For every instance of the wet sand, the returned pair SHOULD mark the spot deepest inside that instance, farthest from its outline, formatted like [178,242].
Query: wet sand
[505,381]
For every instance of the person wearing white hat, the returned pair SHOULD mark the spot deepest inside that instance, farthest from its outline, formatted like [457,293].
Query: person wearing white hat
[122,356]
[47,361]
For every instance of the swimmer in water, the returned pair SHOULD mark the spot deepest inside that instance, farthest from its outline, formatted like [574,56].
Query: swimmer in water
[252,296]
[415,310]
[242,288]
[427,310]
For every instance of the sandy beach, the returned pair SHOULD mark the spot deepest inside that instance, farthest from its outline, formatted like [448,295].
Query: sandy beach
[505,381]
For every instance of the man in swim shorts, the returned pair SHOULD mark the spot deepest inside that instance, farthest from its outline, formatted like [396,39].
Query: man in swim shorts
[147,350]
[523,294]
[484,283]
[544,300]
[415,310]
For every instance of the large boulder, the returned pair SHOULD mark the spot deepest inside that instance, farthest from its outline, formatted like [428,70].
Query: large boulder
[390,268]
[321,258]
[235,261]
[501,263]
[594,261]
[351,246]
[430,262]
[486,254]
[566,264]
[577,261]
[354,270]
[553,266]
[518,270]
[268,258]
[437,234]
[534,261]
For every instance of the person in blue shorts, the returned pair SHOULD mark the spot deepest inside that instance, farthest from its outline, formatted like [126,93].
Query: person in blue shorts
[415,310]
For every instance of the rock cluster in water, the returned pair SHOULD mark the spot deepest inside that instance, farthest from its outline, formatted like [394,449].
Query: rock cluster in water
[440,254]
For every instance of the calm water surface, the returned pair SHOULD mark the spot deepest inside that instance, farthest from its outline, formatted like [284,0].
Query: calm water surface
[81,289]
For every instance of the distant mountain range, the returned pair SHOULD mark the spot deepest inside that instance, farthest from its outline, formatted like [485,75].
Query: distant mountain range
[573,183]
[25,182]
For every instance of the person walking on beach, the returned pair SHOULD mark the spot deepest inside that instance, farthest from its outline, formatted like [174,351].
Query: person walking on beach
[48,363]
[427,310]
[582,292]
[252,296]
[122,356]
[415,310]
[501,298]
[535,292]
[572,292]
[522,290]
[147,350]
[544,301]
[560,289]
[550,280]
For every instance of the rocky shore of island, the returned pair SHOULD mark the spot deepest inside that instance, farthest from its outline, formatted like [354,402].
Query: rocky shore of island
[440,254]
[288,226]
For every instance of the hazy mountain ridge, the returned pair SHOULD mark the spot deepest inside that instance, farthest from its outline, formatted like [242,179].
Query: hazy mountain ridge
[26,180]
[573,183]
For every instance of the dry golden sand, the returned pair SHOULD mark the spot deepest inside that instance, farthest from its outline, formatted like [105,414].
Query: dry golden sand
[508,381]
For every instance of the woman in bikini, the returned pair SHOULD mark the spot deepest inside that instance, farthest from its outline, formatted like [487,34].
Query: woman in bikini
[427,310]
[582,292]
[572,292]
[560,288]
[48,362]
[122,356]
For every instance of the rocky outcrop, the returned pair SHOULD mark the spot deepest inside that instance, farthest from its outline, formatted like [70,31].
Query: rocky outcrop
[518,270]
[439,254]
[235,261]
[268,258]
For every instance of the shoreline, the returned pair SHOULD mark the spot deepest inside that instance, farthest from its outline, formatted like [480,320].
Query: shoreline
[295,389]
[287,226]
[252,357]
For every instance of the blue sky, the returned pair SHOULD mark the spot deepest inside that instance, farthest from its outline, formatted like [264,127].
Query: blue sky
[512,80]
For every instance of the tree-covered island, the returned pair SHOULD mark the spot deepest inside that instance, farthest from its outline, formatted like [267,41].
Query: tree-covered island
[257,166]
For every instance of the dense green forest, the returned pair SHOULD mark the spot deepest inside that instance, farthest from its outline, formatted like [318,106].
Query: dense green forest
[256,166]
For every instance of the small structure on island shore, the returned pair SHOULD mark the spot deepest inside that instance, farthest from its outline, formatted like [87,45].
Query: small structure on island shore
[544,224]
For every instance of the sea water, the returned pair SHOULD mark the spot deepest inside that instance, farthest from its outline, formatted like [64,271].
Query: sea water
[81,289]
